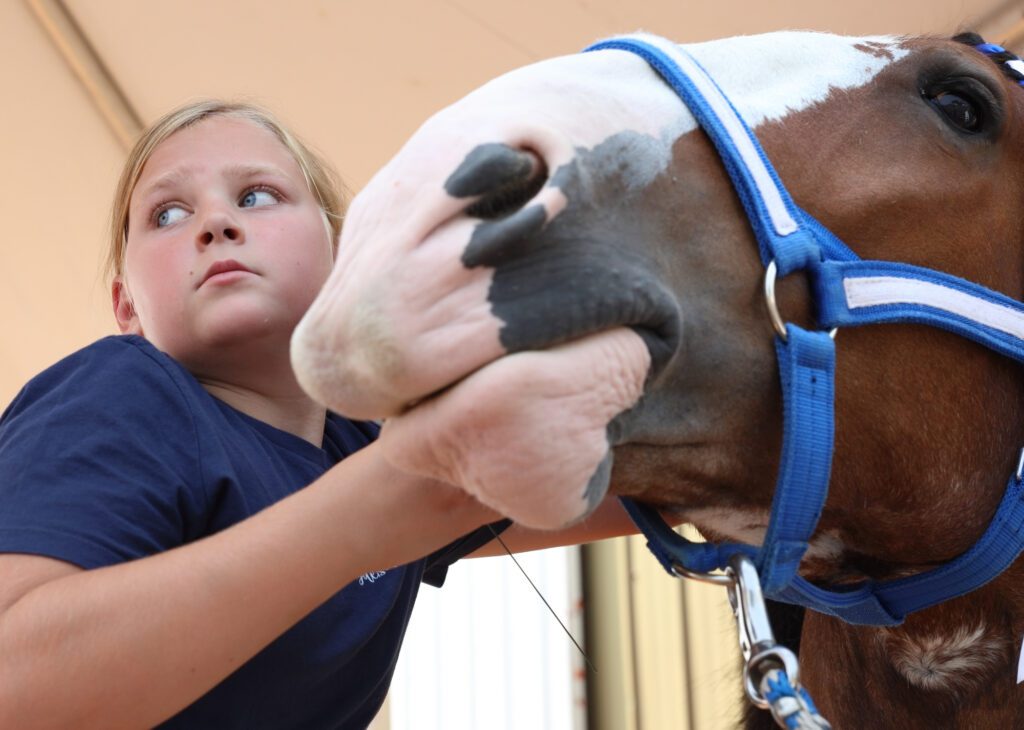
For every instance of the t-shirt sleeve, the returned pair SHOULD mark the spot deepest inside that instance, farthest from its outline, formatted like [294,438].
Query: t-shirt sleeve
[438,563]
[99,459]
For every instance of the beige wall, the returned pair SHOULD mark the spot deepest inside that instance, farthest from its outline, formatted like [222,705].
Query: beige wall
[355,77]
[58,159]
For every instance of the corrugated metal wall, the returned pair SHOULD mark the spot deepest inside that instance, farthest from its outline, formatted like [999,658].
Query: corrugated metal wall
[667,655]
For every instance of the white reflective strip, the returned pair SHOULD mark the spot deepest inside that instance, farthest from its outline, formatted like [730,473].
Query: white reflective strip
[872,291]
[1016,65]
[769,191]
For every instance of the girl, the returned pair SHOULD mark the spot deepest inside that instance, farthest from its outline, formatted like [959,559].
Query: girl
[182,530]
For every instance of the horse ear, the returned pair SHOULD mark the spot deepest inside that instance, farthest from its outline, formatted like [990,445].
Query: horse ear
[124,308]
[969,38]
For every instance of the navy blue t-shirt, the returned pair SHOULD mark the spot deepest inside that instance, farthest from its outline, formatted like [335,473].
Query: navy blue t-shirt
[117,452]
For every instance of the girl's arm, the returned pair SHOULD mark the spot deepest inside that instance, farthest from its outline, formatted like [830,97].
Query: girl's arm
[609,519]
[132,644]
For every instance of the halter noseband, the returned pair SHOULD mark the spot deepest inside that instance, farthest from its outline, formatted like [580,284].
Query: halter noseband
[848,291]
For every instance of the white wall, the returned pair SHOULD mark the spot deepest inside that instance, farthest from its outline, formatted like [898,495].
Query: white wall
[485,652]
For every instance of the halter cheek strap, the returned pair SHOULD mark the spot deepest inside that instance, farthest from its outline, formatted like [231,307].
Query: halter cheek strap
[848,292]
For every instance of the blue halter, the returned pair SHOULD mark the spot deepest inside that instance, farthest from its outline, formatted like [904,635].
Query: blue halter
[848,292]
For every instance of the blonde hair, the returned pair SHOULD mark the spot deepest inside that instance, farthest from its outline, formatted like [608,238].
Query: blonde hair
[321,178]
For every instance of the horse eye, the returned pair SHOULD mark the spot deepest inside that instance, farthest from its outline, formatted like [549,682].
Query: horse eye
[959,111]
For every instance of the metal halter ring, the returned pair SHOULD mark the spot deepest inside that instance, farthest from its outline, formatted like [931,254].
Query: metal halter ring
[716,579]
[770,274]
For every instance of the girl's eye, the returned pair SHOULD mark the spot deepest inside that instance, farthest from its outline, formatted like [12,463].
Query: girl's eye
[170,214]
[257,198]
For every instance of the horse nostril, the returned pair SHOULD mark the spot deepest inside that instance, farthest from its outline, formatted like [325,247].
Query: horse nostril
[513,194]
[503,179]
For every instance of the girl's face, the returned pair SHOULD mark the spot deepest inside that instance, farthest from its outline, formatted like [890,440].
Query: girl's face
[226,243]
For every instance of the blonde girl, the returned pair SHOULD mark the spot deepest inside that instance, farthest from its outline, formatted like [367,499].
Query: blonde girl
[182,530]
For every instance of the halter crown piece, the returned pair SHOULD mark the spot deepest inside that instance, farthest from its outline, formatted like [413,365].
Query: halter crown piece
[1011,63]
[848,292]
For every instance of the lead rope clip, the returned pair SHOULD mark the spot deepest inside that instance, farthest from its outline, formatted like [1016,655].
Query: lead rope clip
[771,673]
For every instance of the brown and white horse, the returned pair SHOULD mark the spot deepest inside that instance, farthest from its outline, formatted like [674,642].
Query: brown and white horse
[556,271]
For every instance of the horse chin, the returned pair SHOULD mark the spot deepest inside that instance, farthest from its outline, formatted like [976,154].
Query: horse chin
[529,434]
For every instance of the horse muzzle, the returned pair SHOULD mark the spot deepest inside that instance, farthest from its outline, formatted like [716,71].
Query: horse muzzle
[505,367]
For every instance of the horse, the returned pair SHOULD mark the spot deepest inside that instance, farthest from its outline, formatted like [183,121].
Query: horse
[553,290]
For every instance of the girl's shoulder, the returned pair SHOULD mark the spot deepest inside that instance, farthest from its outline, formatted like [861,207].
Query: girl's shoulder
[110,435]
[113,377]
[107,359]
[122,369]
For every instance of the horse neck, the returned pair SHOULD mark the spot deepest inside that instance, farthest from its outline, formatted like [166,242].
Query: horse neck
[953,665]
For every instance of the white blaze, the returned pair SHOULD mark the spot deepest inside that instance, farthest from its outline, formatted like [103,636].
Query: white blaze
[579,101]
[770,76]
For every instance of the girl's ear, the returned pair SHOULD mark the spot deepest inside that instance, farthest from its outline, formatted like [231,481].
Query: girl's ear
[124,310]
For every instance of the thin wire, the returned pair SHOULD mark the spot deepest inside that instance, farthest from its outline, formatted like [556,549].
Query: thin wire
[537,591]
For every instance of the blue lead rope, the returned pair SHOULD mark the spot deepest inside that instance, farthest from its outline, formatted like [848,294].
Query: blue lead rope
[848,292]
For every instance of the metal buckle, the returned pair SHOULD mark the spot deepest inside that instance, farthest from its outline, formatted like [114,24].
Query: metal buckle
[770,274]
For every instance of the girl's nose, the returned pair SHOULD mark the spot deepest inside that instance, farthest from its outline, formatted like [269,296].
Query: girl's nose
[220,227]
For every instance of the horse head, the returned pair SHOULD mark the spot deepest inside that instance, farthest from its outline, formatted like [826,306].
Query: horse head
[553,288]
